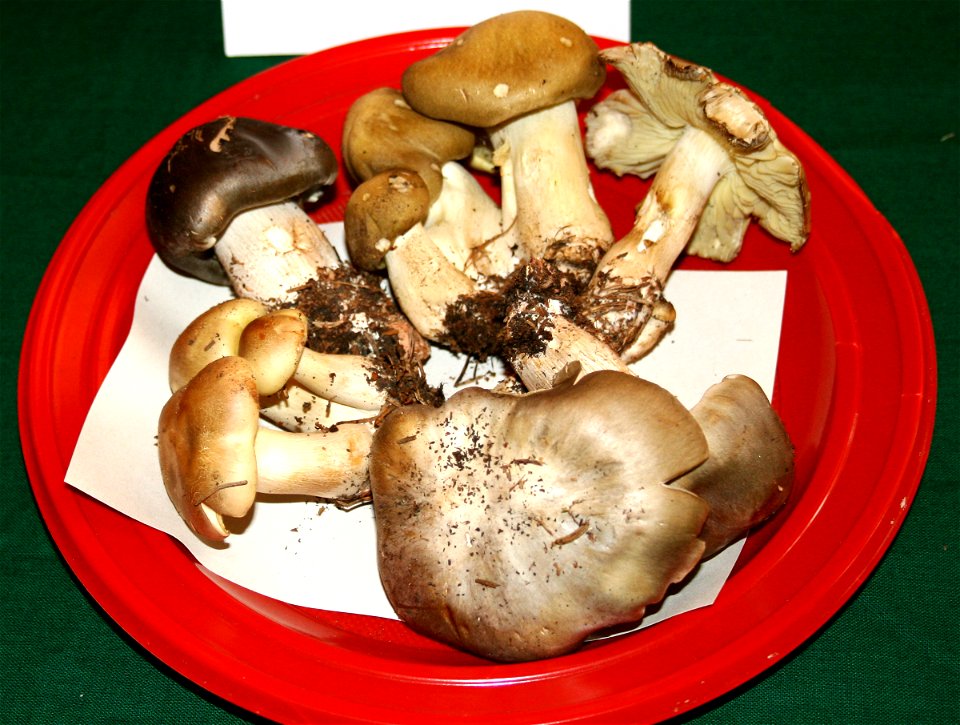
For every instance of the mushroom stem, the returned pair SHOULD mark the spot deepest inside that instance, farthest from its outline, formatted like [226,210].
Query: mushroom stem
[626,290]
[330,464]
[548,205]
[271,251]
[345,379]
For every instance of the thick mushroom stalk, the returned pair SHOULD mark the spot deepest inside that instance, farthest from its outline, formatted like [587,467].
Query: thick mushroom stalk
[539,518]
[718,163]
[224,206]
[519,75]
[215,456]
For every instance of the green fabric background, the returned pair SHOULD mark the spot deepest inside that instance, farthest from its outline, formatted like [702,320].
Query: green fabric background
[85,84]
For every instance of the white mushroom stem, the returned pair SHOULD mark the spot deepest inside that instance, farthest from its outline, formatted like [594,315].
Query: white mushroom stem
[329,464]
[298,410]
[424,281]
[271,251]
[465,224]
[449,255]
[349,380]
[627,284]
[569,344]
[548,204]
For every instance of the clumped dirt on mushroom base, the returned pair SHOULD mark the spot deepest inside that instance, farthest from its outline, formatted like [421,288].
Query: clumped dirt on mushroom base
[509,321]
[350,314]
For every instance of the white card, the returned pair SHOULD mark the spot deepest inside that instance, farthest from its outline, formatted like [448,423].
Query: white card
[297,27]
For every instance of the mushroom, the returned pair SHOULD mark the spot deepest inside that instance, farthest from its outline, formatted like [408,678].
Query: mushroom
[514,526]
[518,76]
[215,456]
[223,206]
[718,163]
[274,343]
[418,212]
[749,473]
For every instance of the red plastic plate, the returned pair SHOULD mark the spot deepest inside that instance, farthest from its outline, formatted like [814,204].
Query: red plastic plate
[856,376]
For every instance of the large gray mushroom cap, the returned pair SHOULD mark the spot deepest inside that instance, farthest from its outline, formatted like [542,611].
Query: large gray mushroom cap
[220,169]
[515,526]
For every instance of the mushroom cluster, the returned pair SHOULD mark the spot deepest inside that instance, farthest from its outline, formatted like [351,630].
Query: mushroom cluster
[511,523]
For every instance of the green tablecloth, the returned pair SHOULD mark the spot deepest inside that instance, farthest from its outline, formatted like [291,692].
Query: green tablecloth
[85,84]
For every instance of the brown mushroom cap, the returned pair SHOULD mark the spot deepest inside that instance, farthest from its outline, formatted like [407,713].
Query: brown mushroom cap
[220,169]
[538,519]
[749,474]
[206,435]
[211,335]
[382,133]
[504,67]
[273,345]
[381,209]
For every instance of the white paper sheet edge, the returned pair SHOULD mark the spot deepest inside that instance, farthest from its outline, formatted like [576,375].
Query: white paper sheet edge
[317,556]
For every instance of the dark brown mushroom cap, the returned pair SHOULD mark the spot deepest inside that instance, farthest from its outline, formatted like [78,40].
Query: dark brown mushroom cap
[220,169]
[504,67]
[382,133]
[513,526]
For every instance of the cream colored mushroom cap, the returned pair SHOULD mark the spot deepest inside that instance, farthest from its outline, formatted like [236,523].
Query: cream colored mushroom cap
[205,438]
[633,130]
[538,518]
[504,67]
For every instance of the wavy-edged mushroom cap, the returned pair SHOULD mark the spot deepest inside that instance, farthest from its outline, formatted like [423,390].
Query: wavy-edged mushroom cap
[634,130]
[381,209]
[504,67]
[749,474]
[382,133]
[514,526]
[220,169]
[206,435]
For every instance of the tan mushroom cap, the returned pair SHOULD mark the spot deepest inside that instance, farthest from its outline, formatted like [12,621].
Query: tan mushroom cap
[539,518]
[381,209]
[382,133]
[749,474]
[273,345]
[211,335]
[504,67]
[666,96]
[206,435]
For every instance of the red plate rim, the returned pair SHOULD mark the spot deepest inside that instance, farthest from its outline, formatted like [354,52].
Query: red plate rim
[364,685]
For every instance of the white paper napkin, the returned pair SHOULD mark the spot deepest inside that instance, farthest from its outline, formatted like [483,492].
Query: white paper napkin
[317,556]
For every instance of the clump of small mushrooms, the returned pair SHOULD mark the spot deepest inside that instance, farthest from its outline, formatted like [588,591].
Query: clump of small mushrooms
[225,205]
[513,524]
